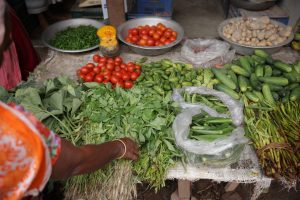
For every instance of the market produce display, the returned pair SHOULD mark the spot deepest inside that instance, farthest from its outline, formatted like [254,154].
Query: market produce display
[110,70]
[256,32]
[259,78]
[158,35]
[276,135]
[75,38]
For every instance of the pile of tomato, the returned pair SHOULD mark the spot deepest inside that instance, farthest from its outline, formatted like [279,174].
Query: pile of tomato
[110,70]
[158,35]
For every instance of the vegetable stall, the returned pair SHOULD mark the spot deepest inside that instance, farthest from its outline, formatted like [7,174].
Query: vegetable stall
[247,118]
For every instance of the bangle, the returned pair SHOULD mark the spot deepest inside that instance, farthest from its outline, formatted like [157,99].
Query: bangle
[125,147]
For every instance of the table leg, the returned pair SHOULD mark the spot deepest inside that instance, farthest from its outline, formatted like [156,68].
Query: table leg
[231,186]
[183,191]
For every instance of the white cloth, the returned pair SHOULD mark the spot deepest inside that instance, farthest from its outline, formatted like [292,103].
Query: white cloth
[39,6]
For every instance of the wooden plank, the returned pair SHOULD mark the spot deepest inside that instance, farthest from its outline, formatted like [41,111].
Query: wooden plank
[116,13]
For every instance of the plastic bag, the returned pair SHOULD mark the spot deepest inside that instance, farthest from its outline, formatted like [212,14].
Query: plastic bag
[207,52]
[218,152]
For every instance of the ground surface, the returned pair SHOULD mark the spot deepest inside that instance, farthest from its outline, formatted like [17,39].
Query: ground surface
[199,18]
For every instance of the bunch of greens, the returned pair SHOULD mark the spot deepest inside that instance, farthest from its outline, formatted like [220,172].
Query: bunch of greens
[55,103]
[74,38]
[276,136]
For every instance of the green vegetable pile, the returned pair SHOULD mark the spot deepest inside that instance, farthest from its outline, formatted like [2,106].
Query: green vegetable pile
[259,78]
[75,38]
[276,135]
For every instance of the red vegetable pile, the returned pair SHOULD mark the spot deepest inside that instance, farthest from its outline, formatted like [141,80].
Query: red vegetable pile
[113,70]
[158,35]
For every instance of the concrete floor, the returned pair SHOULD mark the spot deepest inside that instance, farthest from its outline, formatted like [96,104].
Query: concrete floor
[199,18]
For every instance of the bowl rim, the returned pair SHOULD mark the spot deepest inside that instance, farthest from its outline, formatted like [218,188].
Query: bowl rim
[225,22]
[45,41]
[178,40]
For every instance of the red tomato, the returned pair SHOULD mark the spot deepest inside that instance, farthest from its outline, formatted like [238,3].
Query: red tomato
[130,68]
[106,78]
[101,64]
[118,74]
[84,70]
[128,40]
[130,64]
[138,71]
[90,65]
[110,66]
[125,77]
[145,37]
[150,42]
[81,76]
[167,34]
[88,78]
[118,59]
[156,36]
[142,42]
[103,60]
[134,76]
[106,72]
[128,84]
[138,67]
[123,66]
[120,83]
[157,43]
[167,42]
[174,33]
[134,31]
[159,32]
[97,70]
[96,58]
[162,39]
[144,32]
[151,32]
[114,79]
[172,38]
[117,68]
[135,39]
[110,60]
[99,78]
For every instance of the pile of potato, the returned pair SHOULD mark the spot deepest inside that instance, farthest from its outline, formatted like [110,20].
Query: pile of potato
[257,32]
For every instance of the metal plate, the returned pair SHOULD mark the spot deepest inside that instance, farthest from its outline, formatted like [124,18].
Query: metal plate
[144,50]
[50,32]
[246,49]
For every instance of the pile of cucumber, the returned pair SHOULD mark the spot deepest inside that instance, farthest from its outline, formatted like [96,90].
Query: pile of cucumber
[259,78]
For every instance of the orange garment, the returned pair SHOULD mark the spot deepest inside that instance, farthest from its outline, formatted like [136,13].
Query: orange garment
[26,158]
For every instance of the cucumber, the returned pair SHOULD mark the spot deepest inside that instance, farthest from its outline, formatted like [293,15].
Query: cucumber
[250,60]
[227,90]
[268,71]
[245,64]
[297,66]
[252,96]
[259,95]
[224,79]
[292,86]
[264,55]
[267,93]
[295,94]
[259,71]
[243,83]
[293,76]
[241,71]
[255,82]
[258,60]
[282,66]
[233,76]
[276,72]
[274,80]
[276,87]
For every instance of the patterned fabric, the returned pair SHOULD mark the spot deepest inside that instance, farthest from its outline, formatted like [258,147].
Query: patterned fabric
[28,151]
[52,140]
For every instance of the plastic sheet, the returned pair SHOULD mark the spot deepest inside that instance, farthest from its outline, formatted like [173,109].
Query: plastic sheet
[218,152]
[207,52]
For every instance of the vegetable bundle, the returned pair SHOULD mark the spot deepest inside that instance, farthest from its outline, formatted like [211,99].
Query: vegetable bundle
[259,78]
[75,38]
[276,135]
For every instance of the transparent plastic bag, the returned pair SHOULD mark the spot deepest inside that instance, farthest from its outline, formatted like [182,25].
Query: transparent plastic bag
[218,152]
[207,52]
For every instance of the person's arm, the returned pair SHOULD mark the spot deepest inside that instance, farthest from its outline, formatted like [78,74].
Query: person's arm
[88,158]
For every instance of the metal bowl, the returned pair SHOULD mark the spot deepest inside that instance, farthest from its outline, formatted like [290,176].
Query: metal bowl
[145,50]
[246,49]
[253,5]
[50,32]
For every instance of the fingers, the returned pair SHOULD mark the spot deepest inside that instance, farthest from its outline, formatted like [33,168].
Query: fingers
[132,149]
